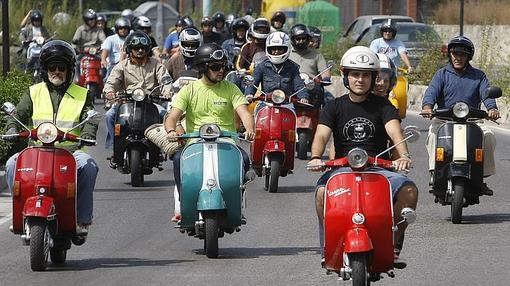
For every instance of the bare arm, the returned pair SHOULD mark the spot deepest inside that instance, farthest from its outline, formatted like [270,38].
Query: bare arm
[405,58]
[395,132]
[247,119]
[320,140]
[170,124]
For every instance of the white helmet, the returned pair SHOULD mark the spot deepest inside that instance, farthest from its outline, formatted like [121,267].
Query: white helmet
[359,58]
[386,65]
[189,41]
[278,39]
[143,22]
[128,13]
[260,23]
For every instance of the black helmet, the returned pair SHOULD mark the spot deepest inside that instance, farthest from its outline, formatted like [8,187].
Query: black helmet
[138,38]
[207,53]
[316,35]
[184,22]
[36,15]
[239,23]
[249,11]
[389,25]
[218,17]
[101,18]
[297,31]
[122,23]
[58,51]
[279,16]
[142,22]
[89,14]
[206,21]
[461,44]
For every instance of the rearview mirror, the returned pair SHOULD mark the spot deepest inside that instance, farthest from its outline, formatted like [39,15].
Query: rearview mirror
[408,214]
[93,117]
[413,132]
[493,92]
[330,64]
[248,80]
[9,108]
[237,51]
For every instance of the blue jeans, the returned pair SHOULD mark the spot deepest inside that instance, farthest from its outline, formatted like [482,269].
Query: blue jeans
[87,173]
[110,122]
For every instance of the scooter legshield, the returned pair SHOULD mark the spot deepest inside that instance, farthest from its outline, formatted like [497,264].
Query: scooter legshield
[472,140]
[211,178]
[53,169]
[368,193]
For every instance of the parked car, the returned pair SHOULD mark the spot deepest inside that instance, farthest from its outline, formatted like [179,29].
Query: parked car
[361,23]
[418,38]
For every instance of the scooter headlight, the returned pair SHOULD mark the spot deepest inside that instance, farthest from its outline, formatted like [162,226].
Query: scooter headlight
[39,40]
[278,96]
[209,131]
[138,94]
[357,158]
[47,132]
[460,110]
[358,218]
[92,51]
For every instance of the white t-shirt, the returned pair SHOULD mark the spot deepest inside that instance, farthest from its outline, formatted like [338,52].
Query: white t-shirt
[391,48]
[36,32]
[114,45]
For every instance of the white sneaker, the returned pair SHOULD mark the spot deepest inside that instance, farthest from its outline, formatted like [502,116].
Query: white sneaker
[82,230]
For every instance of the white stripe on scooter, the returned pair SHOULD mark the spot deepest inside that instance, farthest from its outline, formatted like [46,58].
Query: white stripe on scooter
[210,164]
[460,142]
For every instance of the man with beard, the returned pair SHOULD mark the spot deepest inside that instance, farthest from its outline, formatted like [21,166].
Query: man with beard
[57,99]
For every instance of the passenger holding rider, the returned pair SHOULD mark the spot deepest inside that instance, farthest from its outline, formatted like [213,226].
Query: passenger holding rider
[390,46]
[259,31]
[277,71]
[57,99]
[113,46]
[139,70]
[378,119]
[189,41]
[459,81]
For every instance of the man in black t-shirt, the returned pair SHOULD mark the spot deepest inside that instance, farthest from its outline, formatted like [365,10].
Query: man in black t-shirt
[362,119]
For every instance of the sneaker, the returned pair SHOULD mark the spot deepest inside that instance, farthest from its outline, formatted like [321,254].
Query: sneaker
[82,229]
[397,262]
[485,190]
[323,262]
[176,218]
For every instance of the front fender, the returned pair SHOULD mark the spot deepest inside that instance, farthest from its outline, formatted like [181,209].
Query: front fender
[274,146]
[357,240]
[41,206]
[211,200]
[460,170]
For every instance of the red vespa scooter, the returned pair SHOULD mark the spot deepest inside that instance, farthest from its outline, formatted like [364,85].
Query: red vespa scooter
[358,219]
[91,76]
[275,137]
[44,193]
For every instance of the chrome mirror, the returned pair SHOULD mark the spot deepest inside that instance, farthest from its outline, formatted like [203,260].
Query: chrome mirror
[408,214]
[412,133]
[9,108]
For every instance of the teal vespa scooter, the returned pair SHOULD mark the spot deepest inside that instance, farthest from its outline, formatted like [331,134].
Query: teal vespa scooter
[213,184]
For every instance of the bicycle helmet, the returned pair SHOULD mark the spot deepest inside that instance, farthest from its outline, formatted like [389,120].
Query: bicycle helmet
[461,44]
[138,38]
[121,23]
[278,40]
[260,28]
[389,25]
[386,65]
[58,51]
[296,31]
[359,58]
[189,41]
[89,14]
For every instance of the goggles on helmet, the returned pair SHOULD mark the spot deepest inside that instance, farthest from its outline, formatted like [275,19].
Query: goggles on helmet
[139,41]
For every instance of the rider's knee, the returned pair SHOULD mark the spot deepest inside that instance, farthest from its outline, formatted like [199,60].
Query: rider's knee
[319,194]
[408,194]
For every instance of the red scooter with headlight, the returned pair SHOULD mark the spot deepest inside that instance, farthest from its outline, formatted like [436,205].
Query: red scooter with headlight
[91,72]
[358,219]
[44,192]
[273,149]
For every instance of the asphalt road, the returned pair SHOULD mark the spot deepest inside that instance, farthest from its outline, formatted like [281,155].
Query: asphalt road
[132,241]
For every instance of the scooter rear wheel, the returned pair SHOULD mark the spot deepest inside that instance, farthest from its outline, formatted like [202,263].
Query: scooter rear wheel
[458,185]
[358,263]
[39,245]
[302,146]
[135,164]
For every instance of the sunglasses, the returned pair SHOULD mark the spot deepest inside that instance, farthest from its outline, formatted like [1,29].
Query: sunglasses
[136,48]
[54,66]
[301,38]
[217,66]
[139,40]
[387,31]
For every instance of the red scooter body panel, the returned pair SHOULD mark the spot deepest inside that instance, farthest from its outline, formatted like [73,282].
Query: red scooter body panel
[90,66]
[41,206]
[55,170]
[277,123]
[358,192]
[307,118]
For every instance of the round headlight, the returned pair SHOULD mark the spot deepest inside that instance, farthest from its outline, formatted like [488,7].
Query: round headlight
[47,132]
[39,40]
[209,131]
[358,218]
[357,158]
[278,96]
[92,51]
[138,94]
[460,110]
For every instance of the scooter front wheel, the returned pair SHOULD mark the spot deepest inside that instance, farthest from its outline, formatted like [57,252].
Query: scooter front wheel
[273,176]
[135,164]
[39,245]
[358,263]
[458,186]
[211,234]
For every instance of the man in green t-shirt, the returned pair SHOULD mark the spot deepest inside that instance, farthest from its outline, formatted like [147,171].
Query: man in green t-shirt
[209,100]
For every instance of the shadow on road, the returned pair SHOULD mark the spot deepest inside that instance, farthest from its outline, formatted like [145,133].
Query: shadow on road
[485,218]
[247,252]
[98,263]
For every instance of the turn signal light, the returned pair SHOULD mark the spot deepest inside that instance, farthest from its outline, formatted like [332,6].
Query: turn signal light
[117,129]
[16,189]
[292,135]
[71,190]
[440,154]
[258,133]
[479,155]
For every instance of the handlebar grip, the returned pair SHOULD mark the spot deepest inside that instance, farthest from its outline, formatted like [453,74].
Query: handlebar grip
[87,142]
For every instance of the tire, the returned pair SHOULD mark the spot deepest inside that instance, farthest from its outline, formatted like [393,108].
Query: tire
[302,146]
[211,235]
[58,255]
[458,185]
[358,262]
[93,91]
[39,245]
[266,181]
[135,164]
[274,175]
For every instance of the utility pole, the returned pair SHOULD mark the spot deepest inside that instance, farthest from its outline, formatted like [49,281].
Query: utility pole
[461,17]
[5,37]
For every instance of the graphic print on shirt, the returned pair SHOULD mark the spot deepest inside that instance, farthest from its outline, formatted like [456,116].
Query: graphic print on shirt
[391,52]
[358,129]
